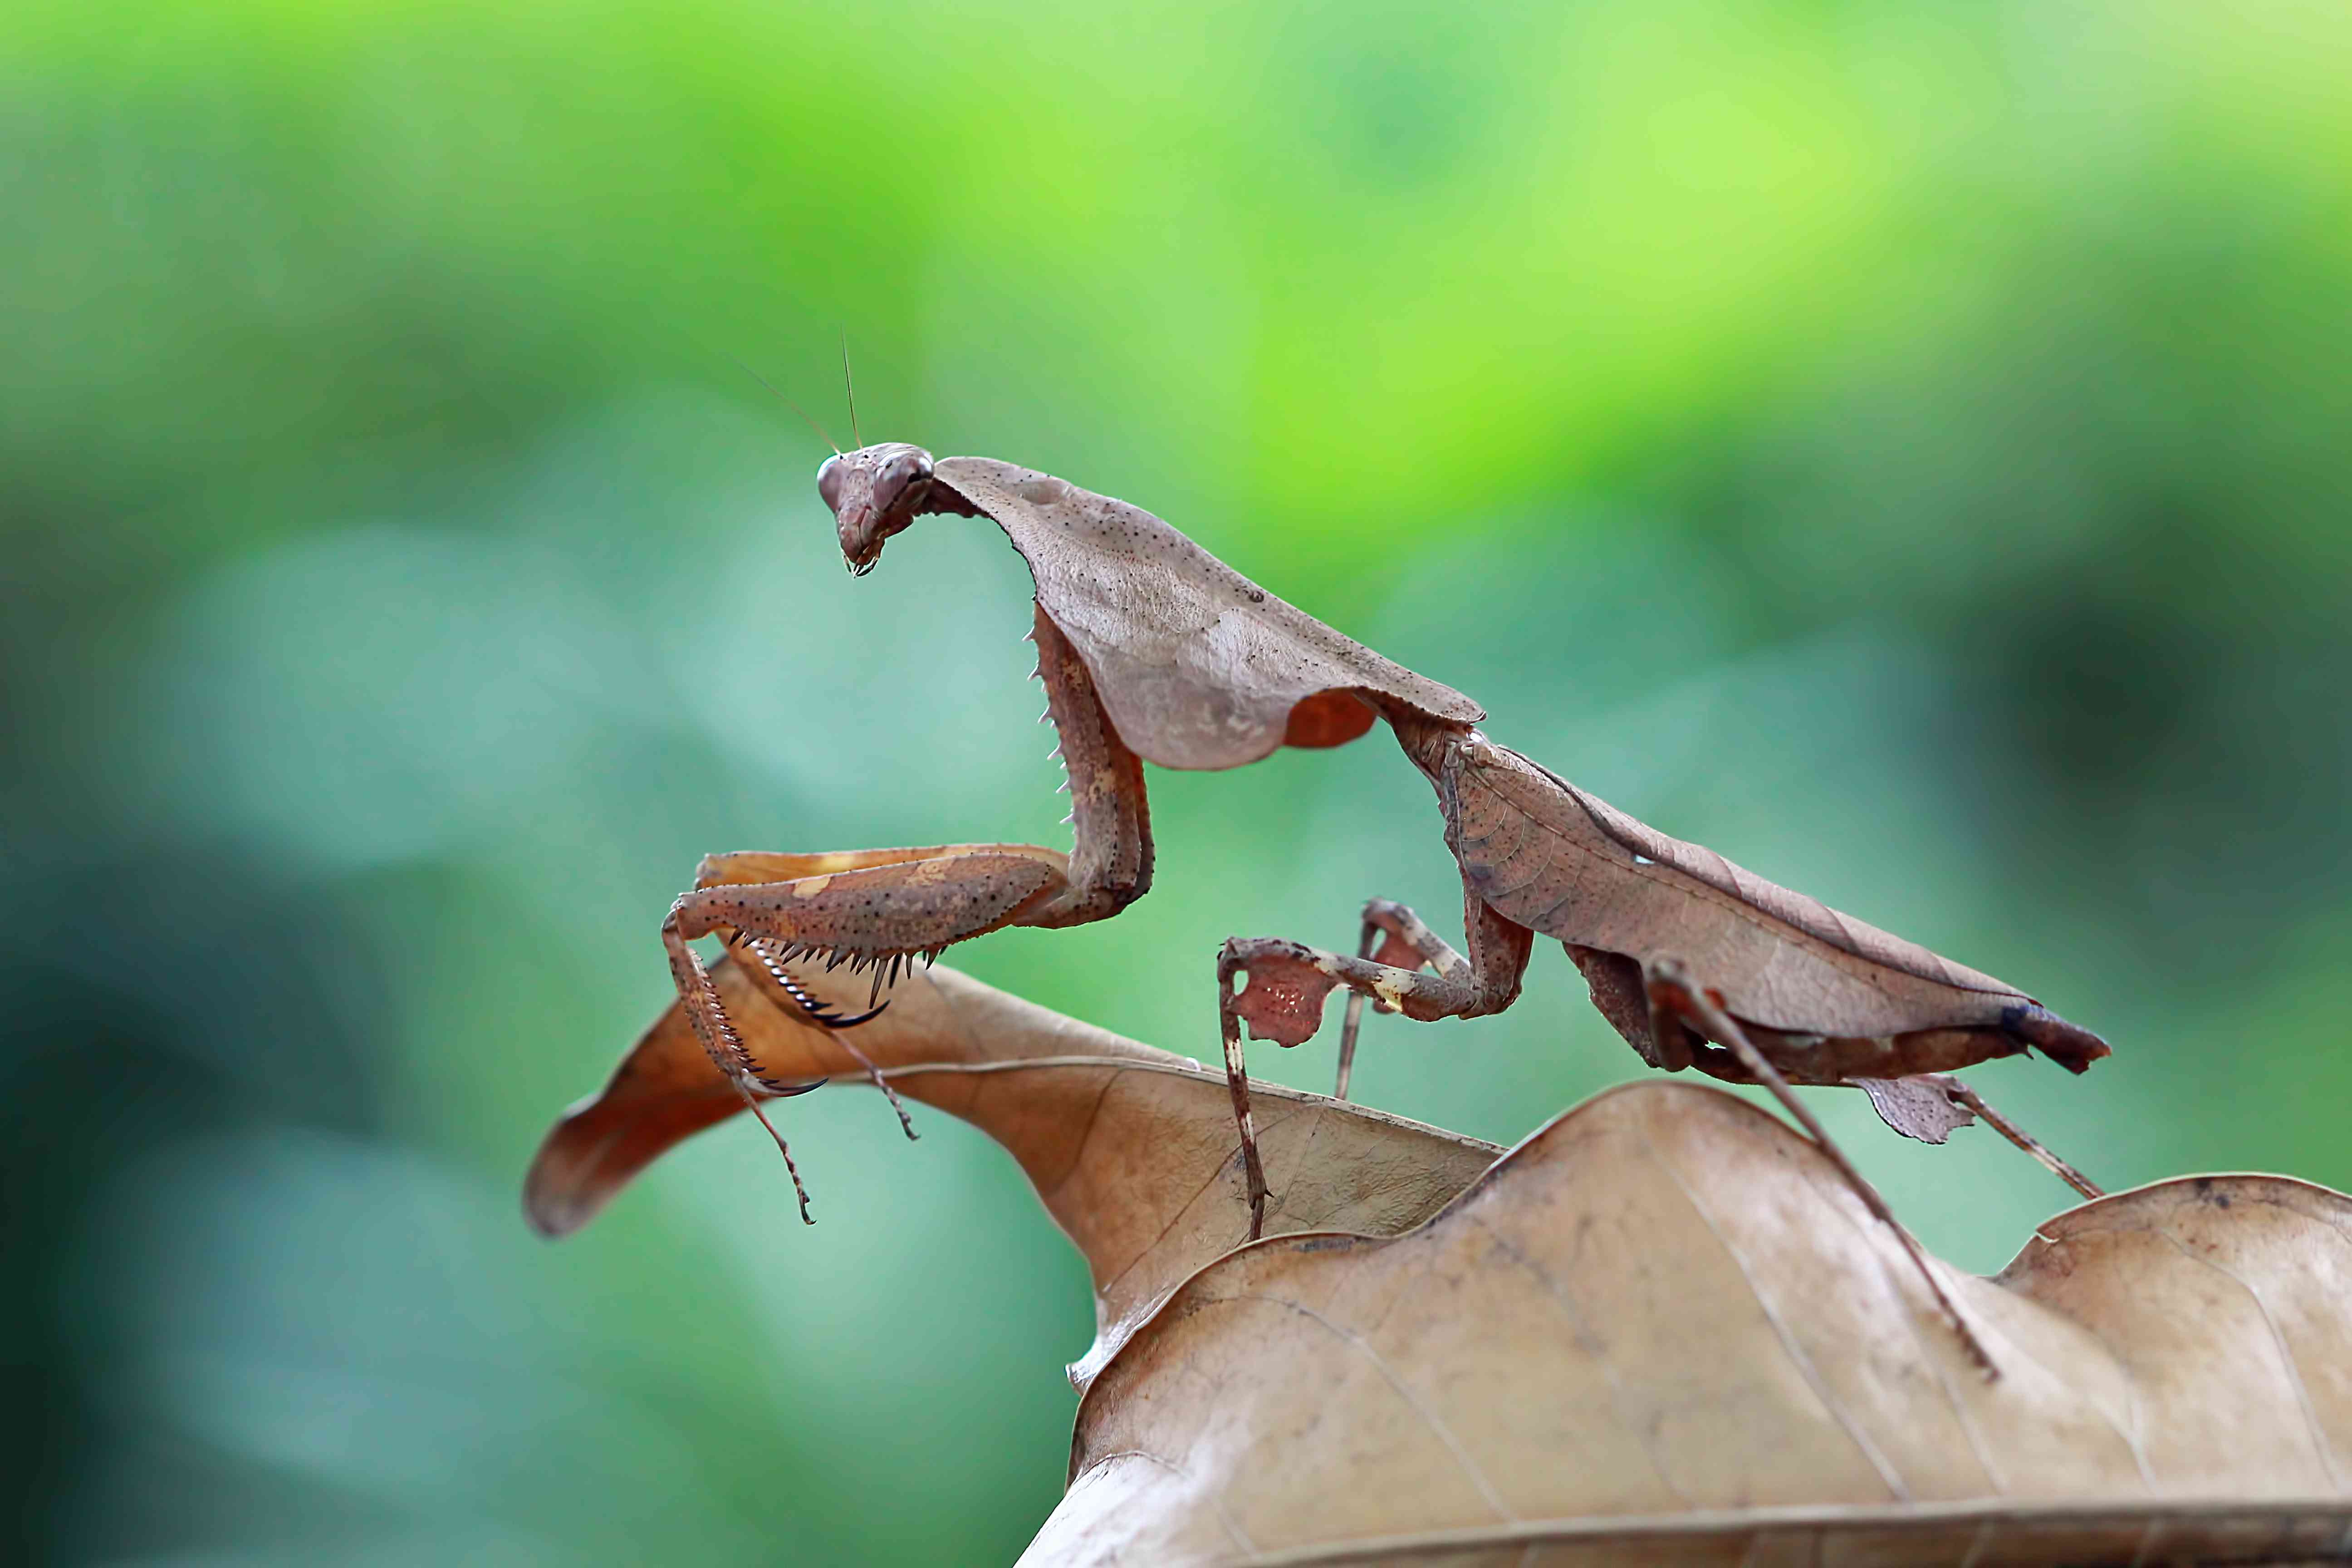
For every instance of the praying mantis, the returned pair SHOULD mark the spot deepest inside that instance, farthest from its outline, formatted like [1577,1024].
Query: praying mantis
[1151,649]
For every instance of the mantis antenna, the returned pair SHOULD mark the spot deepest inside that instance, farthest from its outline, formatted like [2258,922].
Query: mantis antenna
[850,388]
[795,408]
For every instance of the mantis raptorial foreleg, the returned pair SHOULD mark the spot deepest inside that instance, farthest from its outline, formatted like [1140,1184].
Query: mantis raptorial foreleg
[725,1046]
[881,916]
[873,909]
[769,956]
[882,910]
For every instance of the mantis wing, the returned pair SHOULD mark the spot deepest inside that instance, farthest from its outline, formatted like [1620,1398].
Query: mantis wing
[1197,666]
[1565,863]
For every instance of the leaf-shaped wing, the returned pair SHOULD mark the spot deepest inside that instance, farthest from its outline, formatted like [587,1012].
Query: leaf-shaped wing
[1802,910]
[1565,863]
[1198,665]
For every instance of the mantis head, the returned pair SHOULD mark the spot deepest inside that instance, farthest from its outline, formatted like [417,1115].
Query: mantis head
[874,492]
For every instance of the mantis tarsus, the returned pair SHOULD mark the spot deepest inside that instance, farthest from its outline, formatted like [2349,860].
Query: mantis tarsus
[1152,649]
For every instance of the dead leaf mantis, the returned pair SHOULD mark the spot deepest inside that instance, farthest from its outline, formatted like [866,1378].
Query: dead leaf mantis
[1152,649]
[1274,677]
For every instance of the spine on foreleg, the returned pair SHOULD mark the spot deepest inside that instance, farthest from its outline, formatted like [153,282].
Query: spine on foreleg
[1110,860]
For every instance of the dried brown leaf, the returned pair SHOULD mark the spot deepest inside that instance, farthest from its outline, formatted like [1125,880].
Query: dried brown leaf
[1663,1329]
[1133,1149]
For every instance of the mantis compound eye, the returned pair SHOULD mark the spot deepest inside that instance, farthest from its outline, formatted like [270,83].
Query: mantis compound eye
[829,482]
[899,487]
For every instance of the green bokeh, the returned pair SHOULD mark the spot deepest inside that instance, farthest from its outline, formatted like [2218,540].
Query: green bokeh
[1903,445]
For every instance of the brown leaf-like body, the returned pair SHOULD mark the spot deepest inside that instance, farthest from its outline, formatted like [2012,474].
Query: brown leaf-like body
[1567,864]
[1194,665]
[1665,1330]
[1198,665]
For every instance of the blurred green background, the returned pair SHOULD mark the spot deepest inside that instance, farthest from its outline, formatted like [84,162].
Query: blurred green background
[1903,445]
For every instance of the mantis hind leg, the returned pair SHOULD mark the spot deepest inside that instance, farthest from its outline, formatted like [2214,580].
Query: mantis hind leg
[1674,993]
[1969,1099]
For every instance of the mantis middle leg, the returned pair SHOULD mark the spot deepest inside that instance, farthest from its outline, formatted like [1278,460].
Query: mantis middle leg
[1393,934]
[1289,982]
